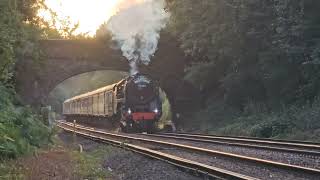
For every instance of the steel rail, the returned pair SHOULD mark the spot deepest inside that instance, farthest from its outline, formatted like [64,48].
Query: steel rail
[307,146]
[264,147]
[205,170]
[250,138]
[269,163]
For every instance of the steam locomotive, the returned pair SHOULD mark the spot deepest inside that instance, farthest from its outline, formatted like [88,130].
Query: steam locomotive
[133,104]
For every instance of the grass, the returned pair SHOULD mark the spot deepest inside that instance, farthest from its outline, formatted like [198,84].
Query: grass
[88,165]
[65,162]
[9,170]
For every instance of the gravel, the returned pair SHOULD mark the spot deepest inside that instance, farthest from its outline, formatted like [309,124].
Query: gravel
[242,167]
[250,169]
[131,166]
[283,157]
[87,144]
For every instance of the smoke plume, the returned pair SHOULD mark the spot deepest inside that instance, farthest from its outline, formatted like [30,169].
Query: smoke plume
[136,29]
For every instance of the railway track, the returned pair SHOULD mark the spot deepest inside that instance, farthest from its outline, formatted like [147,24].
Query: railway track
[205,170]
[247,138]
[204,166]
[298,147]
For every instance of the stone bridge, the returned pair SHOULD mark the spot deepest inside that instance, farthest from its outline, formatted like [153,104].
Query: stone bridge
[66,58]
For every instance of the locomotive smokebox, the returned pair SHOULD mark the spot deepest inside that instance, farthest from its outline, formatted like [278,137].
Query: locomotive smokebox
[140,89]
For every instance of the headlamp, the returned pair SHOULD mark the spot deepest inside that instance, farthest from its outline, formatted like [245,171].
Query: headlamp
[156,111]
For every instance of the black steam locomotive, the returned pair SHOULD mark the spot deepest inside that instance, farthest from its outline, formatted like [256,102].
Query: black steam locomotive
[133,104]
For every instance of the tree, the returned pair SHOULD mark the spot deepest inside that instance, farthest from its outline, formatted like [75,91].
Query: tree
[265,51]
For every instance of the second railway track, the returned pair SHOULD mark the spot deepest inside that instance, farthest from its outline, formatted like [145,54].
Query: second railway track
[311,150]
[298,146]
[246,138]
[249,166]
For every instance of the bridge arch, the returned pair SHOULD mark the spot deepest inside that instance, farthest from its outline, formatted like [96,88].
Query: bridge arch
[67,58]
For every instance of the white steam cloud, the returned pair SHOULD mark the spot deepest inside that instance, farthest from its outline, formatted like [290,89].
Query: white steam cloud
[136,28]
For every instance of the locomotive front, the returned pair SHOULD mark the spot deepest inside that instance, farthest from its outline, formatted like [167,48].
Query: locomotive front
[143,107]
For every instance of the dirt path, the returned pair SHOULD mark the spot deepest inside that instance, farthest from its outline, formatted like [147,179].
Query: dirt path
[53,164]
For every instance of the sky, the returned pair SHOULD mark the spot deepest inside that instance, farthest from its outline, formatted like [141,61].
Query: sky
[90,14]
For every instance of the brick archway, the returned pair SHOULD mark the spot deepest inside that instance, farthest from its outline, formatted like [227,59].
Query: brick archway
[67,58]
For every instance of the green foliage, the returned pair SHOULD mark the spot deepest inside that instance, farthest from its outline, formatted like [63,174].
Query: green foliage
[294,122]
[89,164]
[20,28]
[20,130]
[265,52]
[10,170]
[9,35]
[258,50]
[215,115]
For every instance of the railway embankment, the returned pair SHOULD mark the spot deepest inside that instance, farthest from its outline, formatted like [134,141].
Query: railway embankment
[21,130]
[79,158]
[117,163]
[201,156]
[63,160]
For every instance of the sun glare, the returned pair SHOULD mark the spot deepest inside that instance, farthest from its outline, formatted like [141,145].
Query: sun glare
[90,14]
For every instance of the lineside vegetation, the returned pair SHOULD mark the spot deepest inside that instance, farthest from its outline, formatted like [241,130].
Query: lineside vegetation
[256,64]
[21,130]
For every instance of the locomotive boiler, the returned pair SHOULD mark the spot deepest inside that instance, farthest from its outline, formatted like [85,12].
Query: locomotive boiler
[133,104]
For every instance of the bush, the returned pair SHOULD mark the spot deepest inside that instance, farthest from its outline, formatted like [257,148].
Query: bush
[21,131]
[216,115]
[268,129]
[262,51]
[294,122]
